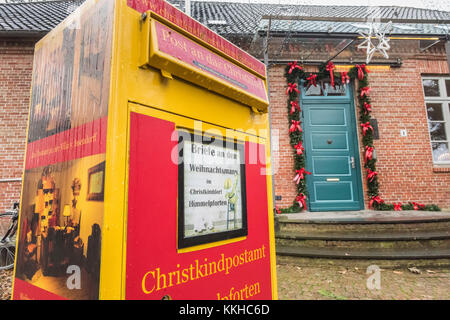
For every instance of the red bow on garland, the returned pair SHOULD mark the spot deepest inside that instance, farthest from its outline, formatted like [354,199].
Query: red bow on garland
[294,66]
[369,154]
[376,199]
[300,175]
[301,201]
[371,174]
[398,206]
[418,206]
[365,91]
[330,68]
[295,125]
[366,126]
[312,79]
[292,87]
[299,148]
[277,210]
[367,108]
[294,106]
[345,78]
[361,69]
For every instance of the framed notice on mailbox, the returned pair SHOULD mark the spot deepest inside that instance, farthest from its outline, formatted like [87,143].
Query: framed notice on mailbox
[212,202]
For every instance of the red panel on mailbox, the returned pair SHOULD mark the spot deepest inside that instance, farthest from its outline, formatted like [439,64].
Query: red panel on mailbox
[154,266]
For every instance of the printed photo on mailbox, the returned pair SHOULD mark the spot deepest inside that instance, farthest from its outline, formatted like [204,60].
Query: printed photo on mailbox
[63,189]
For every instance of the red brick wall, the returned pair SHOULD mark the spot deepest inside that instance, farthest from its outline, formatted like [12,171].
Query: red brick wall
[16,63]
[283,159]
[405,166]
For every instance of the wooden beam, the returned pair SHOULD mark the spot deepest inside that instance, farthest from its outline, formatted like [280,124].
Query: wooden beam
[355,19]
[447,50]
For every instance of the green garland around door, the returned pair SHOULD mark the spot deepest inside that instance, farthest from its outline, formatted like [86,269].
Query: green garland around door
[294,73]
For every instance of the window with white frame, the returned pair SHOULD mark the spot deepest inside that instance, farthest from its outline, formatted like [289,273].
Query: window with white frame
[437,103]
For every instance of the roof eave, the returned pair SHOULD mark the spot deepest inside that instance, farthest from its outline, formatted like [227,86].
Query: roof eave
[342,35]
[353,19]
[22,34]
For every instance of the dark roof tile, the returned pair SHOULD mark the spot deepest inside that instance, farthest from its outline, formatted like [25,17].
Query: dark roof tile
[34,16]
[246,18]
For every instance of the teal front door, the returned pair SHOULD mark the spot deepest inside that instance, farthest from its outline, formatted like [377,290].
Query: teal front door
[331,148]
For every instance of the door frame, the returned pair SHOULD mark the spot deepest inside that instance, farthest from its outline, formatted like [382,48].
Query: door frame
[353,138]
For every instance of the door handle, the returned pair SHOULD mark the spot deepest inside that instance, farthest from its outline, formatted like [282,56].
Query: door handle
[352,161]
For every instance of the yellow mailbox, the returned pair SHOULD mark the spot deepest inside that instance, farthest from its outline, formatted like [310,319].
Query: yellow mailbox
[147,168]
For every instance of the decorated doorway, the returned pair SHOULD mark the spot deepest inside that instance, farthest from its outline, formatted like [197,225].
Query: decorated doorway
[331,144]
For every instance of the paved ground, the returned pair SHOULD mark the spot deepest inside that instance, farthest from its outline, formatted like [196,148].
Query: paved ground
[334,282]
[5,284]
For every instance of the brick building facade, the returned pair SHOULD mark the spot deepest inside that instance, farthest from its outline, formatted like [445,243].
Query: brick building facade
[405,164]
[21,26]
[16,64]
[406,169]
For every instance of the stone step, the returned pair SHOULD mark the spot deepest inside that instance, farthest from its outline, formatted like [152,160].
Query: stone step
[362,223]
[366,216]
[424,264]
[388,239]
[380,240]
[348,253]
[374,236]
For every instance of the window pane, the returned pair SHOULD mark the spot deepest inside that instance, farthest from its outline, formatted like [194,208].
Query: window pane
[336,91]
[314,91]
[437,131]
[431,88]
[434,111]
[447,86]
[440,151]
